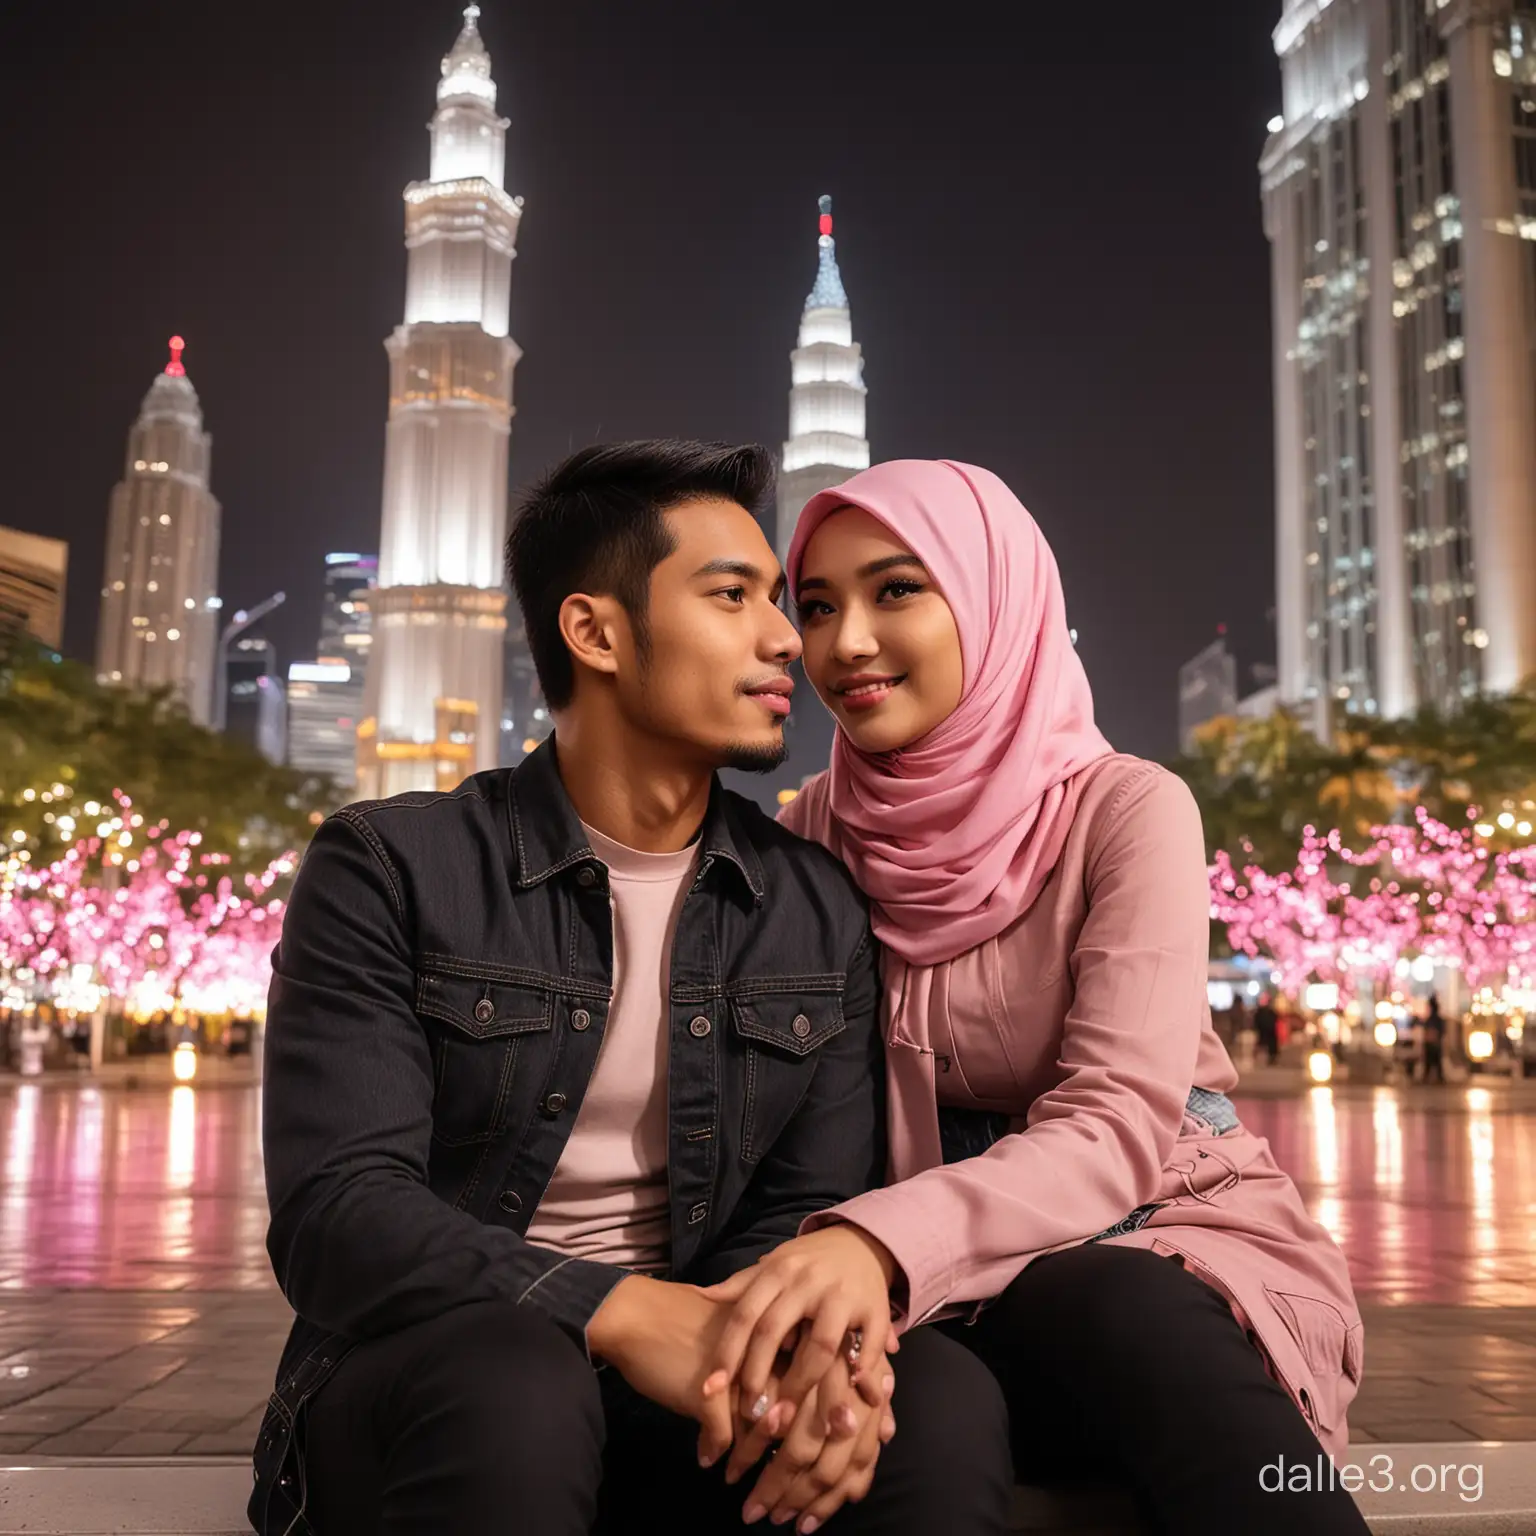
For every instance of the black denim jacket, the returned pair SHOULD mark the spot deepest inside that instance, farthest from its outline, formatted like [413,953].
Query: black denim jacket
[438,1000]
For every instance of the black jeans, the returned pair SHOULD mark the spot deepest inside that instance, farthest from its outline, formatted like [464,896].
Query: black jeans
[488,1420]
[1120,1367]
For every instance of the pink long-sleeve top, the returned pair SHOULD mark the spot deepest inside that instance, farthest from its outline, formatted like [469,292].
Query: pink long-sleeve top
[1086,1022]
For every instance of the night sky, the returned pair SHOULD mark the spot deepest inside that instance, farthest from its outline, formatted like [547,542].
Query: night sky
[1050,234]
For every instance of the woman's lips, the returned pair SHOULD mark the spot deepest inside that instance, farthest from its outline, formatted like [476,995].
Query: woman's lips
[868,695]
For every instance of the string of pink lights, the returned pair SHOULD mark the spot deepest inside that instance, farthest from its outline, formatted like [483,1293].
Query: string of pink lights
[1348,916]
[159,928]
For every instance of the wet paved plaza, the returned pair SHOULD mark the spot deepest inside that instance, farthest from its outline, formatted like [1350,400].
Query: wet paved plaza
[138,1315]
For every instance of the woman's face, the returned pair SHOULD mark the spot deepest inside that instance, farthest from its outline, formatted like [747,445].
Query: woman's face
[881,646]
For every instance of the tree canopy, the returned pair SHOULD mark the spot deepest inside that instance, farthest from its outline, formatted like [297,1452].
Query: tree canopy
[68,742]
[1261,783]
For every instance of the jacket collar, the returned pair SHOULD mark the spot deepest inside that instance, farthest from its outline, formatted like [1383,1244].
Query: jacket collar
[547,835]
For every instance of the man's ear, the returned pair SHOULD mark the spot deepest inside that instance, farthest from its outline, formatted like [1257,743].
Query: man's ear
[590,627]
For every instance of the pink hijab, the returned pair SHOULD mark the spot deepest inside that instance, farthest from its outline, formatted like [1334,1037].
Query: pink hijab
[954,837]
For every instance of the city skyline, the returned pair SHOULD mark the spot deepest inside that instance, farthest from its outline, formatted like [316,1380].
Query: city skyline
[1128,403]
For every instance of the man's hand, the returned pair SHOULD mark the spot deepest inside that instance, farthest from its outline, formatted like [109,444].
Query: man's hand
[663,1338]
[812,1477]
[834,1280]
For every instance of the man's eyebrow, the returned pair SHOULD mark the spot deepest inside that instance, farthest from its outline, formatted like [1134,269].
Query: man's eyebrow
[745,570]
[874,568]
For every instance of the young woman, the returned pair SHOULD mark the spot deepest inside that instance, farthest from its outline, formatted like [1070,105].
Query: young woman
[1069,1183]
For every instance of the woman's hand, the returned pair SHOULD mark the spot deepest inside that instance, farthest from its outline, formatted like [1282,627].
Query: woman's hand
[834,1280]
[811,1477]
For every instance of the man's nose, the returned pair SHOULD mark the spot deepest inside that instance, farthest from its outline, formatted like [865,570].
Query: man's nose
[785,640]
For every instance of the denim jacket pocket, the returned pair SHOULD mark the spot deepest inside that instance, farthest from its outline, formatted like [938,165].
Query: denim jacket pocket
[782,1032]
[477,1031]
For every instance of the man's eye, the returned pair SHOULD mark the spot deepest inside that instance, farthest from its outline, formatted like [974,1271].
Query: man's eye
[735,594]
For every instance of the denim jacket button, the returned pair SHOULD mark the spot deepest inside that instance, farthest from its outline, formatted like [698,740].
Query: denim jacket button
[801,1027]
[553,1104]
[699,1027]
[485,1011]
[509,1200]
[586,876]
[581,1019]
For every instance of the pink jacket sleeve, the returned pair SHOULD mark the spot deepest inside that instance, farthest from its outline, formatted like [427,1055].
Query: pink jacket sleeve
[1094,1146]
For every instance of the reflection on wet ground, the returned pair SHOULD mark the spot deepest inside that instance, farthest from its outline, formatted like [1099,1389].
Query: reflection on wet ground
[1430,1191]
[138,1316]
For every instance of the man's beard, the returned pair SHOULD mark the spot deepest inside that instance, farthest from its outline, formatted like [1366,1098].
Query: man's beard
[745,759]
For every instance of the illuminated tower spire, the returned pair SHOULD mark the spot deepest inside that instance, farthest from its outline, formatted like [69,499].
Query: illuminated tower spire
[433,708]
[159,611]
[826,399]
[828,291]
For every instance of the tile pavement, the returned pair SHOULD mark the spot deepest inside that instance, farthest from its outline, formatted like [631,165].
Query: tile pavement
[146,1373]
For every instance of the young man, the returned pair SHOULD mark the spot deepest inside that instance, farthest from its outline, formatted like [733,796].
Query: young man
[546,1054]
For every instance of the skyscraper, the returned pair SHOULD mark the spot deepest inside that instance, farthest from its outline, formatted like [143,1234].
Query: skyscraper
[1400,200]
[826,445]
[325,696]
[434,689]
[255,703]
[826,397]
[346,617]
[322,699]
[159,608]
[32,575]
[1207,690]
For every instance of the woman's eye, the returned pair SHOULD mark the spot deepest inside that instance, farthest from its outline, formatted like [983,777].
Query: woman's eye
[900,588]
[811,609]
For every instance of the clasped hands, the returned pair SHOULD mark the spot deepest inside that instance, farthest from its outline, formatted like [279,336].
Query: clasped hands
[764,1357]
[785,1360]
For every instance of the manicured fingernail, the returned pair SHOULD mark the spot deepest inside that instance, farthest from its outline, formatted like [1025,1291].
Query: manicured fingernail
[753,1513]
[846,1421]
[781,1515]
[808,1525]
[889,1384]
[760,1407]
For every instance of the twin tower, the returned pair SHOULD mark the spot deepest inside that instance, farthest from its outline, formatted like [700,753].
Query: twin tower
[432,712]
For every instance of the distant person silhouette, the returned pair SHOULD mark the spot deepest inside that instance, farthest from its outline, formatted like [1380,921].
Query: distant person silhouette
[1434,1042]
[1266,1024]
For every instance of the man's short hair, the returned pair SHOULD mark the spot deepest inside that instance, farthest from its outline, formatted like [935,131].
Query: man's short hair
[596,524]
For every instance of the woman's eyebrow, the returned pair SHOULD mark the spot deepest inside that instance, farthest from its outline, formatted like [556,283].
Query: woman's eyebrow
[874,568]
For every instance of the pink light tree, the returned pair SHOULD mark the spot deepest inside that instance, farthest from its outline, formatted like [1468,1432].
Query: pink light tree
[161,926]
[1348,915]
